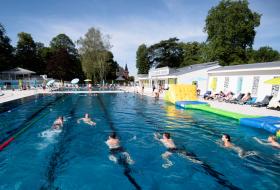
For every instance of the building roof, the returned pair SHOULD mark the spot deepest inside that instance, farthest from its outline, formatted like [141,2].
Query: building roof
[120,78]
[18,71]
[180,71]
[195,67]
[247,67]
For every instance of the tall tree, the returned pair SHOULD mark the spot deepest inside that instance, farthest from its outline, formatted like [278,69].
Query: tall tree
[266,54]
[231,29]
[26,53]
[113,66]
[166,53]
[6,50]
[64,62]
[142,61]
[93,49]
[194,53]
[62,41]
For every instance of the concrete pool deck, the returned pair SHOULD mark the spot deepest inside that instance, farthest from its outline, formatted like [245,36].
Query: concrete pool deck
[10,95]
[242,109]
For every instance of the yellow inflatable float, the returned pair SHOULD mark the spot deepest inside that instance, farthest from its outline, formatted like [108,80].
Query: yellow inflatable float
[181,92]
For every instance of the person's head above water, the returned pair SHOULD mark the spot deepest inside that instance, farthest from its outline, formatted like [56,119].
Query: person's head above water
[60,117]
[166,135]
[272,138]
[226,137]
[113,135]
[86,115]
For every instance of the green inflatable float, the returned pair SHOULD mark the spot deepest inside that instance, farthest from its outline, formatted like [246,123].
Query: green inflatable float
[207,108]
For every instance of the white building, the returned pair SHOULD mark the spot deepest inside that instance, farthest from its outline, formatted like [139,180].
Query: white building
[245,78]
[194,74]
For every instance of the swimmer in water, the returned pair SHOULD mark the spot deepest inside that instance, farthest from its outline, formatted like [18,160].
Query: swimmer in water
[58,123]
[168,142]
[228,144]
[226,141]
[271,140]
[117,151]
[87,120]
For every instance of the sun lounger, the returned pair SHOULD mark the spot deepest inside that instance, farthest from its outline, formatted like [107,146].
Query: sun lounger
[252,101]
[263,103]
[274,104]
[236,100]
[207,94]
[246,102]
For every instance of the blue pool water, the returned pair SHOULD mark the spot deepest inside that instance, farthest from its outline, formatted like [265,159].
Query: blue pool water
[77,157]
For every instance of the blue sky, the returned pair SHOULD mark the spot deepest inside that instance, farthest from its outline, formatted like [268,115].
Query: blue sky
[128,22]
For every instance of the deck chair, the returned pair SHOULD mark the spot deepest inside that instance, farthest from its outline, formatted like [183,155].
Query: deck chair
[274,104]
[239,97]
[207,94]
[263,103]
[252,101]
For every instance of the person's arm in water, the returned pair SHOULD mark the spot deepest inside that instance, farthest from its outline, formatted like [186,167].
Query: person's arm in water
[90,122]
[157,136]
[263,142]
[79,120]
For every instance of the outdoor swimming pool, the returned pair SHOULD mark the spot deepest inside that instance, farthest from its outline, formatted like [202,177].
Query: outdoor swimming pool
[77,157]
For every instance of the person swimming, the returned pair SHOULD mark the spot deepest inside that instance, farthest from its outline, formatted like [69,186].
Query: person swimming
[271,140]
[228,144]
[116,150]
[170,145]
[226,141]
[87,120]
[58,123]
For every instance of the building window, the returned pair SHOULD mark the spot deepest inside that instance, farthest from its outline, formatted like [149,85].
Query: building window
[226,84]
[256,81]
[275,89]
[172,81]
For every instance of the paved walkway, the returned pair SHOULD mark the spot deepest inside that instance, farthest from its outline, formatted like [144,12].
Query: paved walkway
[243,109]
[10,95]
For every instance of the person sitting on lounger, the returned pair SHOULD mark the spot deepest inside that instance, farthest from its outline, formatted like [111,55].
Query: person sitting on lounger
[228,144]
[228,96]
[216,96]
[117,153]
[58,123]
[87,120]
[246,98]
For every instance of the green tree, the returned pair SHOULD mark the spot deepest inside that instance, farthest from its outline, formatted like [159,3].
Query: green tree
[62,41]
[113,66]
[142,61]
[166,53]
[266,54]
[194,53]
[63,60]
[94,47]
[231,29]
[26,54]
[6,50]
